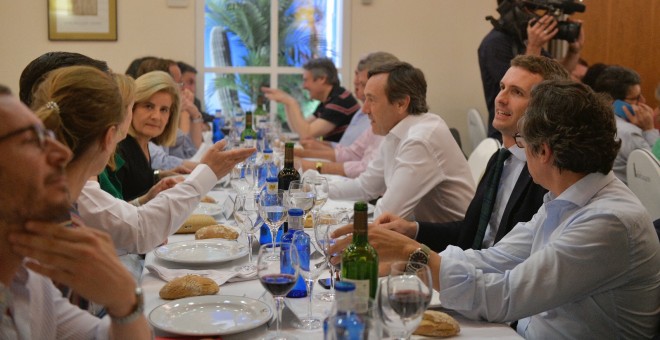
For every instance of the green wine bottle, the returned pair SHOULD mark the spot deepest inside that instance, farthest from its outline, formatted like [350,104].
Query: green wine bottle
[359,261]
[260,110]
[288,172]
[248,131]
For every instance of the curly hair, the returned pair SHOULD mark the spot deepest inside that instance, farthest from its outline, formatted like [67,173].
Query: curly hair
[404,80]
[577,124]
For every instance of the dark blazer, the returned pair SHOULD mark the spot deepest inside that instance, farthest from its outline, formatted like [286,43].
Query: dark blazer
[526,199]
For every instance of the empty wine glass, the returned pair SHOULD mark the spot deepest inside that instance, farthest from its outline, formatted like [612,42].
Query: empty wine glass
[246,212]
[323,228]
[273,210]
[402,300]
[320,185]
[301,195]
[241,177]
[317,264]
[278,267]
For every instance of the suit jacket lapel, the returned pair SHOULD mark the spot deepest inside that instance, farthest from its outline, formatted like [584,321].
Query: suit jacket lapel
[524,180]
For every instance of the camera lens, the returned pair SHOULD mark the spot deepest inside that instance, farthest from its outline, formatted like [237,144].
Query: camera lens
[568,30]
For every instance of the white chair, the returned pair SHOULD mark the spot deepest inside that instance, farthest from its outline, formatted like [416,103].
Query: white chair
[643,172]
[479,157]
[476,127]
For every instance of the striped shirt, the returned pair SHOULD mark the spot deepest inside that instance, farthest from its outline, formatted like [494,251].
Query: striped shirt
[338,109]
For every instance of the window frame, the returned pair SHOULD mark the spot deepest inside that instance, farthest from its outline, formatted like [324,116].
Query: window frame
[274,71]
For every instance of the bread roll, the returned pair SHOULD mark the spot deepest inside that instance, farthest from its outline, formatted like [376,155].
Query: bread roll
[189,285]
[216,231]
[208,199]
[435,323]
[194,222]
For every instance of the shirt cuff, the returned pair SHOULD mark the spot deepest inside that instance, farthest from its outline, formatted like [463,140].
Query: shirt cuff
[416,230]
[203,178]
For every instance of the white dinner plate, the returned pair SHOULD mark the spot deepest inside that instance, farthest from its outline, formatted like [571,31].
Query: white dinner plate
[208,208]
[210,315]
[201,251]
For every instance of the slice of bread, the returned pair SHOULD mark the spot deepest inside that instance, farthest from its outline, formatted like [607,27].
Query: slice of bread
[189,285]
[195,222]
[216,231]
[436,323]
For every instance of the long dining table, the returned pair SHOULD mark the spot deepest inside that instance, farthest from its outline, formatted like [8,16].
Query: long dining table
[250,290]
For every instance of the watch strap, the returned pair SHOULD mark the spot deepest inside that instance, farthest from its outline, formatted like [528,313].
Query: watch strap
[137,310]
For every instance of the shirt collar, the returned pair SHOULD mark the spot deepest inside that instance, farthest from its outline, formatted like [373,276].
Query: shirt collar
[518,153]
[583,190]
[400,130]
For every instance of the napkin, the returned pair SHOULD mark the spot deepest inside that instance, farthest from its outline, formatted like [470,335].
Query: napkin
[219,276]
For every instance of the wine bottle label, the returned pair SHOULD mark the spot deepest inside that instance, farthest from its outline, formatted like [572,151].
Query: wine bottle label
[361,294]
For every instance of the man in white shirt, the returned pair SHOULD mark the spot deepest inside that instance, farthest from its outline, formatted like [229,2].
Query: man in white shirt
[34,248]
[587,265]
[420,170]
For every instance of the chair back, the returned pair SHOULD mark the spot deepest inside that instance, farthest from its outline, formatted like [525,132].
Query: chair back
[479,157]
[476,127]
[643,173]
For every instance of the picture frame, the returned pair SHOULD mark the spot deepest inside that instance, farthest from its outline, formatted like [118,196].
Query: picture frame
[93,20]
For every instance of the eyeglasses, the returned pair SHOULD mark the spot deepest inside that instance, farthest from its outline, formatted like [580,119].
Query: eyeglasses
[42,134]
[635,100]
[520,141]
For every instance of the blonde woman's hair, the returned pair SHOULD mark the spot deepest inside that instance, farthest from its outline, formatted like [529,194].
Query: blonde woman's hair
[79,103]
[126,86]
[149,84]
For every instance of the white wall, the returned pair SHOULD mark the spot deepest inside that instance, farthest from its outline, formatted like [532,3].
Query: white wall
[438,36]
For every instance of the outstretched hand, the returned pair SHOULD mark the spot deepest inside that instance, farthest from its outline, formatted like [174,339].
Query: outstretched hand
[221,161]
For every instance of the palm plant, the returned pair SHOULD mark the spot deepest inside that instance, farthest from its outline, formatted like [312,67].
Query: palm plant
[249,22]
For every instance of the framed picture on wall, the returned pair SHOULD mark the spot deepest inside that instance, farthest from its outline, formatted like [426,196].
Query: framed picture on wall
[82,19]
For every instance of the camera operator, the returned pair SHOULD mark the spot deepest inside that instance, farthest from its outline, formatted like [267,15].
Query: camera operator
[524,27]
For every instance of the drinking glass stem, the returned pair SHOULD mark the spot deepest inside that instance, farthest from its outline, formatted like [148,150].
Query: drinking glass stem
[310,286]
[273,233]
[250,238]
[278,317]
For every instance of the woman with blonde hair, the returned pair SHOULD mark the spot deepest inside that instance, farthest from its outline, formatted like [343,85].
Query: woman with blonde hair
[155,118]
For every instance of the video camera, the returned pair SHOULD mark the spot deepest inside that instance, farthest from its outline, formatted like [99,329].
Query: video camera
[516,14]
[568,30]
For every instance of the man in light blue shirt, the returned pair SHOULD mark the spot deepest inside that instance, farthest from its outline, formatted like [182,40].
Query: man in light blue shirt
[587,266]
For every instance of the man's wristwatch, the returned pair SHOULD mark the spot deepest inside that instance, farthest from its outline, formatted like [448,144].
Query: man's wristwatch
[319,166]
[156,176]
[137,310]
[420,255]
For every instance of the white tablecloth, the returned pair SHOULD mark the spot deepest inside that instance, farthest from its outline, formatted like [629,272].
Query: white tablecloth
[151,285]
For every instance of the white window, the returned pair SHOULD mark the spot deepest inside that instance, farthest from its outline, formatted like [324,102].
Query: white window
[252,43]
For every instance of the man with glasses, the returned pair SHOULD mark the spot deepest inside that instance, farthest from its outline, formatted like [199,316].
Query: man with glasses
[35,247]
[516,198]
[636,129]
[586,266]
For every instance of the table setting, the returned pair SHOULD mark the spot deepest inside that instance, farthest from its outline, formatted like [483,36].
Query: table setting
[248,298]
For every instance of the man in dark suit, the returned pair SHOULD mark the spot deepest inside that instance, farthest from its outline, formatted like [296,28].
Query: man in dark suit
[514,196]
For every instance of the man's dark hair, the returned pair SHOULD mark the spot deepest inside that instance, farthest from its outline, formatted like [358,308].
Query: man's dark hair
[404,80]
[616,81]
[592,74]
[132,69]
[547,68]
[186,68]
[154,64]
[4,90]
[576,123]
[323,67]
[34,73]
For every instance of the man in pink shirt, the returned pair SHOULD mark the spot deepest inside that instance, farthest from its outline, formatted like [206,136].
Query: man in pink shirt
[352,160]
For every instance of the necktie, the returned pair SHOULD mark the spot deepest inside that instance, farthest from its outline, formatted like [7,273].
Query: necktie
[489,198]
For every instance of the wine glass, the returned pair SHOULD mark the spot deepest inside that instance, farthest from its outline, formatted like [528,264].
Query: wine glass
[317,264]
[250,174]
[245,214]
[401,303]
[278,267]
[324,227]
[301,195]
[320,185]
[237,177]
[273,210]
[423,273]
